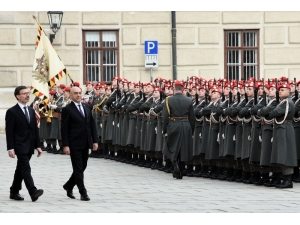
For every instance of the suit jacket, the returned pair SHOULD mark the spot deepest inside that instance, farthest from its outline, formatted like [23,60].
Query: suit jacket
[21,136]
[78,132]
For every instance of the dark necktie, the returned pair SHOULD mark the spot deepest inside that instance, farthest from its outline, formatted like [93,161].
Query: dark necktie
[26,114]
[80,110]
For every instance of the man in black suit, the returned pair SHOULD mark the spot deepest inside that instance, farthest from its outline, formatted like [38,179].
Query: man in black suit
[78,131]
[22,137]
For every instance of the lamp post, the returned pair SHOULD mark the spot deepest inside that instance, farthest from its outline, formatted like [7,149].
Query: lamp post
[55,18]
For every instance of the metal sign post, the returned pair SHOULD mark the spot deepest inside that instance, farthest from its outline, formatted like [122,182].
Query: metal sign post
[151,55]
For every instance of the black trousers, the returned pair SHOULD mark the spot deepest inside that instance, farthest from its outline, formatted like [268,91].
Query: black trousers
[23,172]
[79,160]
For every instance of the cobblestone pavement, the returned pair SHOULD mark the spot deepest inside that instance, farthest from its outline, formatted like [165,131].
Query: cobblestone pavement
[117,187]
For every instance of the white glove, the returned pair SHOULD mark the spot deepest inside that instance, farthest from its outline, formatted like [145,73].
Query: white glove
[53,106]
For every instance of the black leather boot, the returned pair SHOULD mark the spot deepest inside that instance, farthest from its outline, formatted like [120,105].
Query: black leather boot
[254,178]
[245,176]
[141,161]
[160,165]
[134,159]
[167,165]
[148,162]
[286,183]
[128,157]
[55,151]
[296,175]
[274,181]
[153,163]
[264,179]
[203,172]
[190,171]
[197,170]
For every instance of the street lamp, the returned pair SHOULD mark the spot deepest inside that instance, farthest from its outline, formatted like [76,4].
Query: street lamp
[55,18]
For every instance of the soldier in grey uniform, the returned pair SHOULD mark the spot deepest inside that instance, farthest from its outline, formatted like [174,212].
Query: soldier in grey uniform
[242,100]
[132,111]
[255,149]
[246,138]
[296,124]
[197,141]
[284,152]
[266,140]
[212,152]
[104,120]
[55,134]
[178,127]
[152,129]
[145,107]
[110,128]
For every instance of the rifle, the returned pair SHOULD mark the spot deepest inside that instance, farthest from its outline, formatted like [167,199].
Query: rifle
[264,94]
[223,97]
[246,96]
[296,92]
[160,93]
[141,93]
[118,90]
[255,93]
[186,84]
[277,92]
[206,96]
[230,97]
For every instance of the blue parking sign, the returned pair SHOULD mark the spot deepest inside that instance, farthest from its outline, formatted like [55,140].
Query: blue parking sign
[151,47]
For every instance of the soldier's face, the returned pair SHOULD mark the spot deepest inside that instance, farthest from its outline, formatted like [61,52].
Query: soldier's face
[149,88]
[226,91]
[234,91]
[193,92]
[250,91]
[284,92]
[125,86]
[108,91]
[260,90]
[242,91]
[292,88]
[102,90]
[89,87]
[167,91]
[272,92]
[66,94]
[114,82]
[170,91]
[201,92]
[156,94]
[98,92]
[137,89]
[298,88]
[131,86]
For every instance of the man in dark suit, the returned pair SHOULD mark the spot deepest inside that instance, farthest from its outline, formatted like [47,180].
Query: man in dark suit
[78,130]
[22,137]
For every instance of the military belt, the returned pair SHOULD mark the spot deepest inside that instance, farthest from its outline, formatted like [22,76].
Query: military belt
[152,117]
[178,118]
[286,121]
[105,114]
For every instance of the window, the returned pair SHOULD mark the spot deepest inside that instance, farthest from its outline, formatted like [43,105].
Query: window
[101,55]
[241,54]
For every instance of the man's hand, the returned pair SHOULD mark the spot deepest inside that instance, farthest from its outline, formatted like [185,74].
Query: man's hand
[95,146]
[11,153]
[67,150]
[39,152]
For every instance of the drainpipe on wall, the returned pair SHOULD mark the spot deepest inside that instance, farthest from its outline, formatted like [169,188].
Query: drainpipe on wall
[174,53]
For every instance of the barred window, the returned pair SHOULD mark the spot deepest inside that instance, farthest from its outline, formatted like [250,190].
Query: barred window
[101,55]
[241,54]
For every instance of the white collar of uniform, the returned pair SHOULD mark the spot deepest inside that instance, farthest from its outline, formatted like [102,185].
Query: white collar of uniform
[77,103]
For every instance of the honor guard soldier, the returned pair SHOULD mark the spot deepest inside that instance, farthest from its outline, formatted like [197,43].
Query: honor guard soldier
[178,128]
[197,141]
[284,152]
[145,107]
[266,140]
[247,126]
[105,113]
[89,94]
[133,122]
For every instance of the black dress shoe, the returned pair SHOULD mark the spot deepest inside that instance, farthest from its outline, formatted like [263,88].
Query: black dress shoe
[84,197]
[17,197]
[69,192]
[36,194]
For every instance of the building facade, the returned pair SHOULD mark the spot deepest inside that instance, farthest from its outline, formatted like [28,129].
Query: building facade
[99,45]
